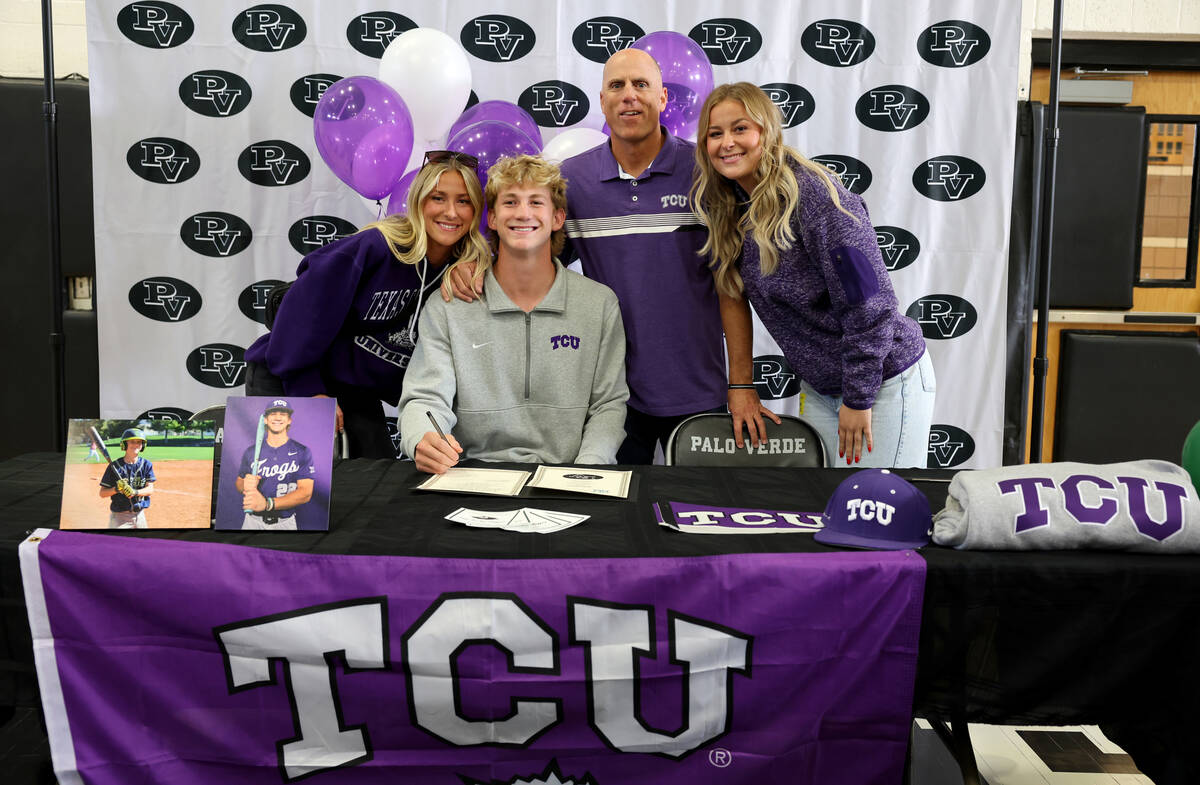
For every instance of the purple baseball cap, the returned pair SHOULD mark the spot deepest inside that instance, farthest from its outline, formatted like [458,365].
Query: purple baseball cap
[875,508]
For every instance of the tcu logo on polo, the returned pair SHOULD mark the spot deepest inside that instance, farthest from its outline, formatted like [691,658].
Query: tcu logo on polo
[1100,505]
[613,637]
[498,38]
[870,510]
[269,28]
[564,342]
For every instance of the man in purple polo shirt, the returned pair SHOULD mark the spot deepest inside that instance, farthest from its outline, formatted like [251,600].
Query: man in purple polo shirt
[630,223]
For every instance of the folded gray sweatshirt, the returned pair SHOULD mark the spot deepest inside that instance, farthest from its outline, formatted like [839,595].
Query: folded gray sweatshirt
[1146,506]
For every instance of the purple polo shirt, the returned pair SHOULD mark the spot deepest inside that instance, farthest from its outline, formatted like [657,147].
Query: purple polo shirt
[640,238]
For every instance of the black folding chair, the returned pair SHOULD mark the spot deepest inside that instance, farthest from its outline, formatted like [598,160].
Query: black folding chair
[707,440]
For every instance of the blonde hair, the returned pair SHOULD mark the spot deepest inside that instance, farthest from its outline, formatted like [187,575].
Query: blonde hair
[528,170]
[406,235]
[773,201]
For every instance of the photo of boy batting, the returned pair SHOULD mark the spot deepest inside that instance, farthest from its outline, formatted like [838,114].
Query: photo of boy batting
[128,482]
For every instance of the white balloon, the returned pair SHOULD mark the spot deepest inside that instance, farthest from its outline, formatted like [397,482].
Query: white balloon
[572,142]
[431,73]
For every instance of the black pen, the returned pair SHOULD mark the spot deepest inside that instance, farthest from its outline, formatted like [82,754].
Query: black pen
[437,427]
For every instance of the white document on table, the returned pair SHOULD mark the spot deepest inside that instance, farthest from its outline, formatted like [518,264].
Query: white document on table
[583,479]
[526,519]
[491,482]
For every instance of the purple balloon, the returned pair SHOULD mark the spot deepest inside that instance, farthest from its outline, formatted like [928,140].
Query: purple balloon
[398,201]
[687,75]
[500,112]
[364,133]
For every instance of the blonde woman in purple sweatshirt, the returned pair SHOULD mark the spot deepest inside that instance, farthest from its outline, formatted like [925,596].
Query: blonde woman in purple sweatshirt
[348,325]
[788,238]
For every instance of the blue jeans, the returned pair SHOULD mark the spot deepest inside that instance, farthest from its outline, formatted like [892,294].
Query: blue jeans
[900,419]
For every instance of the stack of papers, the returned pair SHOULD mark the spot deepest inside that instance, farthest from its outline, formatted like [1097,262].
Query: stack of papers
[525,519]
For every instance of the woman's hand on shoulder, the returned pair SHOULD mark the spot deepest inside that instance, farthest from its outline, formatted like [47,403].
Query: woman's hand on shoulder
[854,433]
[458,283]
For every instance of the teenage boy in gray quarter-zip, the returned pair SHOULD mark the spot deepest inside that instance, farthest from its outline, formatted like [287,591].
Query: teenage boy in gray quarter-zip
[534,371]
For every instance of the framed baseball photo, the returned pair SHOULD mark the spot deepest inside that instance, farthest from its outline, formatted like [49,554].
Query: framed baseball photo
[276,464]
[138,474]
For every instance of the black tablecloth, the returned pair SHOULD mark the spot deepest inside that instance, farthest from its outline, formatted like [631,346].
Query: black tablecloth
[1047,638]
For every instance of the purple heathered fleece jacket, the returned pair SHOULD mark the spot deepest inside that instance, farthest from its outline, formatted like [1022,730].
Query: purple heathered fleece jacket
[830,305]
[349,320]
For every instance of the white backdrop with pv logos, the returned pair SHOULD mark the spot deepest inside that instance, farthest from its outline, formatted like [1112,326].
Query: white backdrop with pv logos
[209,189]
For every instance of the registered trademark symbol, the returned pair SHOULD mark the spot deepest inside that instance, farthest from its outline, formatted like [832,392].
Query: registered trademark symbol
[720,757]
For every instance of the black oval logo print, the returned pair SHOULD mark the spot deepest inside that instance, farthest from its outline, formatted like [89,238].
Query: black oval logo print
[215,93]
[165,413]
[315,231]
[497,38]
[837,42]
[554,104]
[220,365]
[156,25]
[892,107]
[899,247]
[795,103]
[948,178]
[306,91]
[727,41]
[371,33]
[253,300]
[274,162]
[943,316]
[601,37]
[215,234]
[774,377]
[953,44]
[161,159]
[269,28]
[949,446]
[165,299]
[853,173]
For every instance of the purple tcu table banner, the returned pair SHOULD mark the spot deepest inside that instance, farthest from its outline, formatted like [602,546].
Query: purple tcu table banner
[176,663]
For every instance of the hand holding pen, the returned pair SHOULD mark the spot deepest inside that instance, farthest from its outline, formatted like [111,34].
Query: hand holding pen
[437,451]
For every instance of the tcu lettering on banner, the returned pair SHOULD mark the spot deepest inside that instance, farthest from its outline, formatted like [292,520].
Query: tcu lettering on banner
[1094,500]
[315,643]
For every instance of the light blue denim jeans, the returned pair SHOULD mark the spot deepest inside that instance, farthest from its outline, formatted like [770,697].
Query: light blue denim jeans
[900,419]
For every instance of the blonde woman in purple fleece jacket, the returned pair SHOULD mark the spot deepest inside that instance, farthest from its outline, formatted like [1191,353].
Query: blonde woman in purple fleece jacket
[786,237]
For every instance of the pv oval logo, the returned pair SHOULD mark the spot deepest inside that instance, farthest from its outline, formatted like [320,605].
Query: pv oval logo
[163,160]
[943,316]
[274,162]
[899,247]
[948,178]
[601,37]
[371,33]
[316,231]
[155,24]
[215,234]
[269,28]
[953,44]
[854,174]
[794,102]
[220,365]
[165,413]
[497,38]
[892,107]
[252,302]
[306,91]
[215,93]
[774,377]
[554,103]
[727,41]
[839,43]
[165,299]
[949,446]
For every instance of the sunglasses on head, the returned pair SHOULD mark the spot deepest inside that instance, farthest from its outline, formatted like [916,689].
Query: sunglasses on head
[439,156]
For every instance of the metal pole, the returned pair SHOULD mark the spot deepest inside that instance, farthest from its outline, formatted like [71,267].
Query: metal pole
[50,114]
[1040,362]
